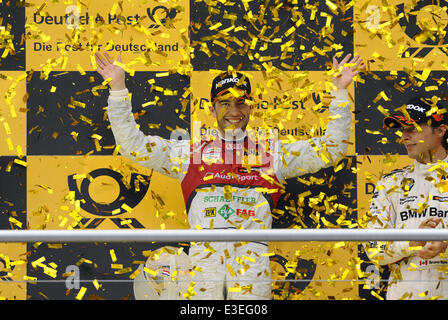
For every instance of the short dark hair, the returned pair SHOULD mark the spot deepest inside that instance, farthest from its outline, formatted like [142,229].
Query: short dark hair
[435,125]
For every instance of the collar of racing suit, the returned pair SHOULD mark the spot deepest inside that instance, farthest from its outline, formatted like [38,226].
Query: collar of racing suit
[240,137]
[425,168]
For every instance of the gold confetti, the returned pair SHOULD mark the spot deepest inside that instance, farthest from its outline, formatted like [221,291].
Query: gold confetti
[97,284]
[81,293]
[126,207]
[20,162]
[15,221]
[113,255]
[230,269]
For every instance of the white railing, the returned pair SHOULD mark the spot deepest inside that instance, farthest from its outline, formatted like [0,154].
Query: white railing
[187,235]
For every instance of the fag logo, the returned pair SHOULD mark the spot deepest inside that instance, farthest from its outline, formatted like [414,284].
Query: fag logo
[225,211]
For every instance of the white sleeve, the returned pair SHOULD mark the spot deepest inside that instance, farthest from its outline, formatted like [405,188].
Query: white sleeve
[309,156]
[165,156]
[383,215]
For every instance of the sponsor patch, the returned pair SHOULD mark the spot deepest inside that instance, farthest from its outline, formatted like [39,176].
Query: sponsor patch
[408,199]
[225,211]
[407,184]
[210,212]
[440,199]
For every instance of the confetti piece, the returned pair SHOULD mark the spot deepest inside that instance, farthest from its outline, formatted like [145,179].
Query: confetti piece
[113,255]
[134,274]
[81,293]
[235,289]
[97,284]
[20,162]
[151,272]
[15,221]
[230,269]
[126,207]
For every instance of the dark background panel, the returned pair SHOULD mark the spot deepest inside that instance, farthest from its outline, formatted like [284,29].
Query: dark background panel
[114,286]
[397,91]
[266,24]
[374,285]
[324,185]
[13,14]
[54,117]
[12,193]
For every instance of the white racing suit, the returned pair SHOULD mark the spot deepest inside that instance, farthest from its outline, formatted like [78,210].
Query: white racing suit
[224,189]
[404,199]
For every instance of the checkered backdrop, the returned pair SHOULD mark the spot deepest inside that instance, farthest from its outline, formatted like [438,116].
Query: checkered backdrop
[59,166]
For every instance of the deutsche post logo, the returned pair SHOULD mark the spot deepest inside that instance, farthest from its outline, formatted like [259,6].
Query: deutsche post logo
[427,24]
[5,269]
[73,18]
[129,197]
[303,272]
[166,14]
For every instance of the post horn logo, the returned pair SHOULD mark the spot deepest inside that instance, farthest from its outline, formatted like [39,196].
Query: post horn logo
[427,24]
[129,196]
[160,11]
[303,273]
[4,272]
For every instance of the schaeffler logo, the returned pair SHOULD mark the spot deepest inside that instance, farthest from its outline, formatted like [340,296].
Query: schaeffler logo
[74,18]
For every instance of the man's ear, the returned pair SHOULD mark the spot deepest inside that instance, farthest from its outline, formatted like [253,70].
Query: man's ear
[442,129]
[212,108]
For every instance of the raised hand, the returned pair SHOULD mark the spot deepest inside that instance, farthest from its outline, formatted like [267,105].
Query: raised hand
[107,69]
[347,70]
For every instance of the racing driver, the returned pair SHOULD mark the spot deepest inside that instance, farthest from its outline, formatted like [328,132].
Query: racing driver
[411,198]
[223,189]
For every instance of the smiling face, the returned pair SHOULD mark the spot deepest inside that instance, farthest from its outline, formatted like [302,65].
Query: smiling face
[426,145]
[231,113]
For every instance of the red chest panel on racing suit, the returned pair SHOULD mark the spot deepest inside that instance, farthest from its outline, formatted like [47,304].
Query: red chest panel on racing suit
[223,189]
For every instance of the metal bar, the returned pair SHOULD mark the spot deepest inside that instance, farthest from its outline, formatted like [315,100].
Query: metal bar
[187,235]
[217,280]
